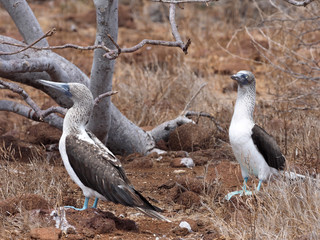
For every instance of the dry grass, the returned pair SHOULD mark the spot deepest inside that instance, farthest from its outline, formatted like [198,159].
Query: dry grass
[18,181]
[282,210]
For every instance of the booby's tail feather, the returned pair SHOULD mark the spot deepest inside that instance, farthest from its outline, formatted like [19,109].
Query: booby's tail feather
[153,214]
[296,176]
[293,175]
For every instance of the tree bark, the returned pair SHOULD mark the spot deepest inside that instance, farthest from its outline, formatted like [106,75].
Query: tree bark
[103,68]
[24,19]
[124,136]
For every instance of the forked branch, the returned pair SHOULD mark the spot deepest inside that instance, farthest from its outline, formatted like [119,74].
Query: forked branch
[38,114]
[113,54]
[177,43]
[25,47]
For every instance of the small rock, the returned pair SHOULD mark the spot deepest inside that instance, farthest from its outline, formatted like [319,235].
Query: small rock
[49,233]
[180,171]
[186,225]
[188,162]
[192,224]
[182,162]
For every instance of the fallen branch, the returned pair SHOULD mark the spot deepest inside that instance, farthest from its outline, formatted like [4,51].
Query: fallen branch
[162,131]
[299,3]
[38,114]
[203,114]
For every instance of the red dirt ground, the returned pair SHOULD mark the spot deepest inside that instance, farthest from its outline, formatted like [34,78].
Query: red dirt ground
[178,190]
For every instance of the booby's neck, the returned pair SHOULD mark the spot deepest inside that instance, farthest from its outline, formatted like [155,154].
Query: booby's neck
[78,116]
[245,102]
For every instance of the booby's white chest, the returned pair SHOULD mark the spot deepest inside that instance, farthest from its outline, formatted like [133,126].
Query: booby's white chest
[245,151]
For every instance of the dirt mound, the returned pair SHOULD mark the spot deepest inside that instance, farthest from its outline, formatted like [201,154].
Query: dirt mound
[43,133]
[95,221]
[13,205]
[16,150]
[190,137]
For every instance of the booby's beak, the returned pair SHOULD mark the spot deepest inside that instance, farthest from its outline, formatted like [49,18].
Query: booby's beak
[62,87]
[241,78]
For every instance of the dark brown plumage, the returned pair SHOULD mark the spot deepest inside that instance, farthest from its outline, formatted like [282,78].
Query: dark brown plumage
[98,172]
[268,147]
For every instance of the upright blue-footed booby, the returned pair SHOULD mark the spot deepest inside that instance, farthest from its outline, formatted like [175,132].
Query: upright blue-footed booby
[256,151]
[90,164]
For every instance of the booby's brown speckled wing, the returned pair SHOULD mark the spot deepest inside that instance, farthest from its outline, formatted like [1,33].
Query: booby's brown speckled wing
[268,148]
[98,169]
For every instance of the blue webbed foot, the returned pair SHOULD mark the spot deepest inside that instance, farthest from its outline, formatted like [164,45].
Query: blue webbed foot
[95,203]
[244,190]
[85,205]
[231,194]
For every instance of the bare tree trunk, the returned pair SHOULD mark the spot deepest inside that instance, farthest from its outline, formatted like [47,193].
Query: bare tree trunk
[102,68]
[25,21]
[124,136]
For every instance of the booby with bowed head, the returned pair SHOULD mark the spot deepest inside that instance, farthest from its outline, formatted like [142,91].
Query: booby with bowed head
[90,164]
[256,151]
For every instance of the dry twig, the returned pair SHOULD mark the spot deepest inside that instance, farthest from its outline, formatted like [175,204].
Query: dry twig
[25,47]
[193,97]
[203,114]
[103,95]
[112,54]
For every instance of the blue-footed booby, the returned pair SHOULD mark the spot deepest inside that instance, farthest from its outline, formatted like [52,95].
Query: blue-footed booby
[256,151]
[90,164]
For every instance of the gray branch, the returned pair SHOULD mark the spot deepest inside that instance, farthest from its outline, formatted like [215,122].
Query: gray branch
[177,43]
[25,111]
[68,45]
[48,34]
[299,3]
[163,130]
[185,1]
[38,114]
[25,21]
[34,65]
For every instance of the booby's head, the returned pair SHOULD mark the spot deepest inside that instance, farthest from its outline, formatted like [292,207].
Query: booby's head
[244,78]
[77,92]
